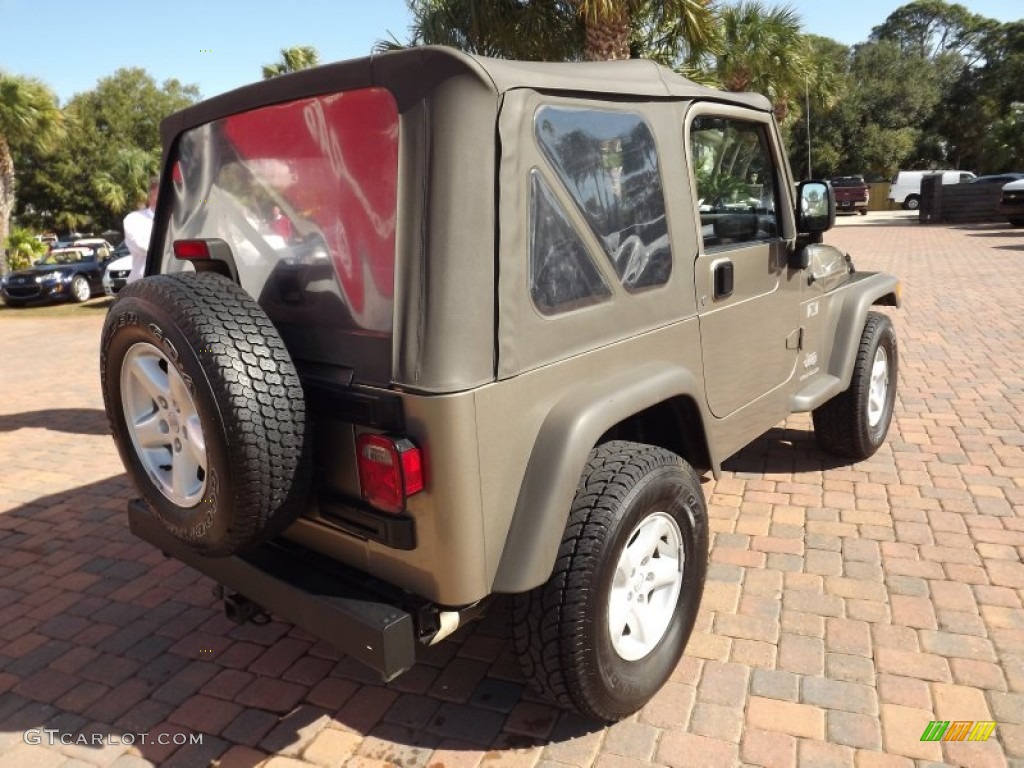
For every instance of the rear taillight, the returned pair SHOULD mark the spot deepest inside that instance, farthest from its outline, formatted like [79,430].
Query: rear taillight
[390,470]
[190,250]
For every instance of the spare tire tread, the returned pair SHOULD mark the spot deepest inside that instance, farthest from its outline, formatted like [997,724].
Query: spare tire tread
[256,390]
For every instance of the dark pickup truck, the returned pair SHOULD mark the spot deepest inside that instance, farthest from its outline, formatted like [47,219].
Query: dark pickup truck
[852,194]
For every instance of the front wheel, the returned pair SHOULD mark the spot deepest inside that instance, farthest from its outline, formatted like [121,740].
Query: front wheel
[912,203]
[855,422]
[1016,221]
[609,627]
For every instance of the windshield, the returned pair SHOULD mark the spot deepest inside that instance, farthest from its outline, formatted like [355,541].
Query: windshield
[66,257]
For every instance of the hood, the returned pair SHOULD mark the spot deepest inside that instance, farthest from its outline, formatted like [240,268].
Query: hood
[42,269]
[125,262]
[1014,186]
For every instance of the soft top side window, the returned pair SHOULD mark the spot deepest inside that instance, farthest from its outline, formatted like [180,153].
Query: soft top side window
[562,275]
[608,162]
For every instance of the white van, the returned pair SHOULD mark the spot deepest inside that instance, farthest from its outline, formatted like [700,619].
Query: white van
[906,187]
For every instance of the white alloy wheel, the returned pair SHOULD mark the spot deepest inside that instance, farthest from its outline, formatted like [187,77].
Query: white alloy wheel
[879,387]
[645,587]
[80,288]
[164,424]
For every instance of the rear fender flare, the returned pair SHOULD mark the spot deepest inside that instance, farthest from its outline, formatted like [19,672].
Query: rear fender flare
[569,432]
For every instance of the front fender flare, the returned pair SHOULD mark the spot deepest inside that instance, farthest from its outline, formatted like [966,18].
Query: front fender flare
[874,289]
[857,298]
[569,432]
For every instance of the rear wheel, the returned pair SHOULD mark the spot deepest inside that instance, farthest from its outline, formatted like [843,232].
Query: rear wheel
[855,422]
[863,211]
[912,203]
[1016,221]
[609,627]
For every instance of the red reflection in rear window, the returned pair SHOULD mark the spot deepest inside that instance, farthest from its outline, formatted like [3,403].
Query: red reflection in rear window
[334,162]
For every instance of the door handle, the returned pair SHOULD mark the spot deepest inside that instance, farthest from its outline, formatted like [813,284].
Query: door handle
[723,274]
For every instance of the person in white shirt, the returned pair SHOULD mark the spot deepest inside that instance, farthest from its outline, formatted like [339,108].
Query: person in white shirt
[138,226]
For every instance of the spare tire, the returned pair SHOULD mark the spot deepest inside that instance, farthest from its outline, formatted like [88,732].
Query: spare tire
[207,410]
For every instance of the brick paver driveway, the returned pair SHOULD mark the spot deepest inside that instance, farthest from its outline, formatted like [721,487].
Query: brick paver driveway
[846,605]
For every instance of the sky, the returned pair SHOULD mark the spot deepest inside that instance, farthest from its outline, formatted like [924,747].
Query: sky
[222,44]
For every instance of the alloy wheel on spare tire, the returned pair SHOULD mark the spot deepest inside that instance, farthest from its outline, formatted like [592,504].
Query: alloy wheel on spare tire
[607,630]
[207,410]
[855,422]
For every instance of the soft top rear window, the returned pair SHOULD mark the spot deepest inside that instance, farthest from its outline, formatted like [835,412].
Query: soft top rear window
[305,193]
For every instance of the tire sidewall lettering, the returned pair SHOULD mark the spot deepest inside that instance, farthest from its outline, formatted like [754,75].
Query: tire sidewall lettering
[192,321]
[192,525]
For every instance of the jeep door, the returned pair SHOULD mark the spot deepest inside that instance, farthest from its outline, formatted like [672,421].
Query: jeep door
[747,297]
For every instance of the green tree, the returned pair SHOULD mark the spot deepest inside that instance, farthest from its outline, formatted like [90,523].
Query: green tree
[979,119]
[1002,75]
[98,172]
[29,117]
[622,29]
[23,249]
[828,88]
[671,31]
[765,51]
[121,187]
[895,94]
[952,40]
[930,28]
[292,60]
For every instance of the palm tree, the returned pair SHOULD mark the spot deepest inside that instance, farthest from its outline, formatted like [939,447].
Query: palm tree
[28,115]
[292,60]
[559,30]
[125,185]
[764,50]
[610,26]
[23,249]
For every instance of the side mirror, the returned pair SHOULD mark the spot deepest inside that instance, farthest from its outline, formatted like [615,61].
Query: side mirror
[816,207]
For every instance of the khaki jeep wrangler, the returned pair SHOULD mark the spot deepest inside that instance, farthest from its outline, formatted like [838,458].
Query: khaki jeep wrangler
[423,328]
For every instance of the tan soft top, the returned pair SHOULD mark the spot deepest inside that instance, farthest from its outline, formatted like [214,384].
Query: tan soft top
[448,325]
[412,73]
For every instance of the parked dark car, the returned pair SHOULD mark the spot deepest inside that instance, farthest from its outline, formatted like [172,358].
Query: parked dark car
[65,274]
[1011,203]
[998,178]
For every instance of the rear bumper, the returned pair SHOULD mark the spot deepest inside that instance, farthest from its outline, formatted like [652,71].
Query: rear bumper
[325,598]
[851,205]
